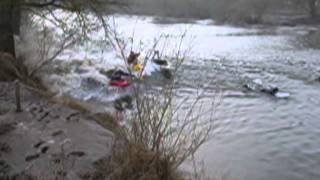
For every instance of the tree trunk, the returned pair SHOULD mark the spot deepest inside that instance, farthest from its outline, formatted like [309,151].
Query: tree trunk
[9,25]
[313,8]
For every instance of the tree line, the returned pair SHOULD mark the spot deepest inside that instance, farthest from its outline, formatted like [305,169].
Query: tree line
[225,10]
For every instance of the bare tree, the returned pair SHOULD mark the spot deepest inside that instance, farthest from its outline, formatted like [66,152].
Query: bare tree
[11,14]
[46,11]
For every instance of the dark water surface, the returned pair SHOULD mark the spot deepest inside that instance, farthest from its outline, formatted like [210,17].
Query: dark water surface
[259,137]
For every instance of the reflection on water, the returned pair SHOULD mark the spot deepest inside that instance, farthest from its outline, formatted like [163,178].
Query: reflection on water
[259,136]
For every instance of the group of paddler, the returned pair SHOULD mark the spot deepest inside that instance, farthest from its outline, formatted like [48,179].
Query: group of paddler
[134,70]
[120,78]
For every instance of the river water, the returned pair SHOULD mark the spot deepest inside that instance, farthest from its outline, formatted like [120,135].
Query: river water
[258,137]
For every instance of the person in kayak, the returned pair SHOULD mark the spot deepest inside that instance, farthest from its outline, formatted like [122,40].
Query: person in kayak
[133,62]
[133,58]
[119,75]
[257,85]
[272,90]
[157,60]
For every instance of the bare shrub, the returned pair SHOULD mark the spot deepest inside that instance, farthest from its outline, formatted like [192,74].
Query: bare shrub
[161,136]
[163,131]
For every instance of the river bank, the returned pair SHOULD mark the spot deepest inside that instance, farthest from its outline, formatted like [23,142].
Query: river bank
[48,138]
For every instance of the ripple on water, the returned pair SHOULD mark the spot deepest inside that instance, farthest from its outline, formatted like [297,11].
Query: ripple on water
[258,136]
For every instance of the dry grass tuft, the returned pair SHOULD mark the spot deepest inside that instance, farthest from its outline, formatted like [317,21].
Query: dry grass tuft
[135,162]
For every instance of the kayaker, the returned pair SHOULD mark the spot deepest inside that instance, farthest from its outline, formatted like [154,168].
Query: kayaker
[133,58]
[156,59]
[133,62]
[272,90]
[120,79]
[257,85]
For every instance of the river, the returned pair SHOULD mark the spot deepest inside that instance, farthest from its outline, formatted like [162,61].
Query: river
[258,137]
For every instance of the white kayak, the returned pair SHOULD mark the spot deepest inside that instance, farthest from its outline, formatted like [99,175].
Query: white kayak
[282,95]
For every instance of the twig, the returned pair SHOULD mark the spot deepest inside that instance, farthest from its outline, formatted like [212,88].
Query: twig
[64,46]
[18,98]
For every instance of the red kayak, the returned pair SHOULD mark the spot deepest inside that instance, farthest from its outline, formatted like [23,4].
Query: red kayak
[120,83]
